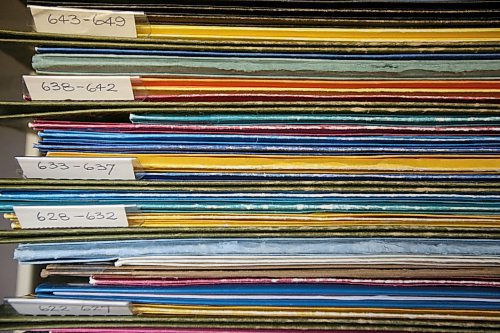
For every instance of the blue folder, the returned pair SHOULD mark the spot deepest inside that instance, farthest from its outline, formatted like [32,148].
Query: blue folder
[248,295]
[44,253]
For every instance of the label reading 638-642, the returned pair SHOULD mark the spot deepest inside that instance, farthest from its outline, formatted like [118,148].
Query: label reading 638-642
[79,88]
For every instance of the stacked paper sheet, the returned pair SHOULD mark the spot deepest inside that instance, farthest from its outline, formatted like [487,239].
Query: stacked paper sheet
[291,166]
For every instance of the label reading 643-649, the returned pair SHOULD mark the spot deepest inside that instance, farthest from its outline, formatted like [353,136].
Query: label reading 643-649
[85,22]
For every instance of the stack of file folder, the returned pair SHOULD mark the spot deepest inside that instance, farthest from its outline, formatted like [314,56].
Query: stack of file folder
[319,166]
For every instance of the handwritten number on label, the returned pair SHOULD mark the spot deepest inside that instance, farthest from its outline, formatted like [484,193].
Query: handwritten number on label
[89,216]
[101,87]
[74,19]
[100,167]
[95,308]
[53,308]
[52,217]
[56,86]
[118,21]
[112,166]
[65,86]
[70,19]
[109,167]
[83,308]
[52,165]
[111,87]
[101,216]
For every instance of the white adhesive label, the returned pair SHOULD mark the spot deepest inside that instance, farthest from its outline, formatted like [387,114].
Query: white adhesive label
[43,217]
[69,307]
[84,22]
[79,88]
[77,168]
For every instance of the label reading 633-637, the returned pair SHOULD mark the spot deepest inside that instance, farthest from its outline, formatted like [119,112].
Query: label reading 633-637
[77,168]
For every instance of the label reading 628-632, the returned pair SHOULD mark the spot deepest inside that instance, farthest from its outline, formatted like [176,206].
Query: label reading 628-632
[81,216]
